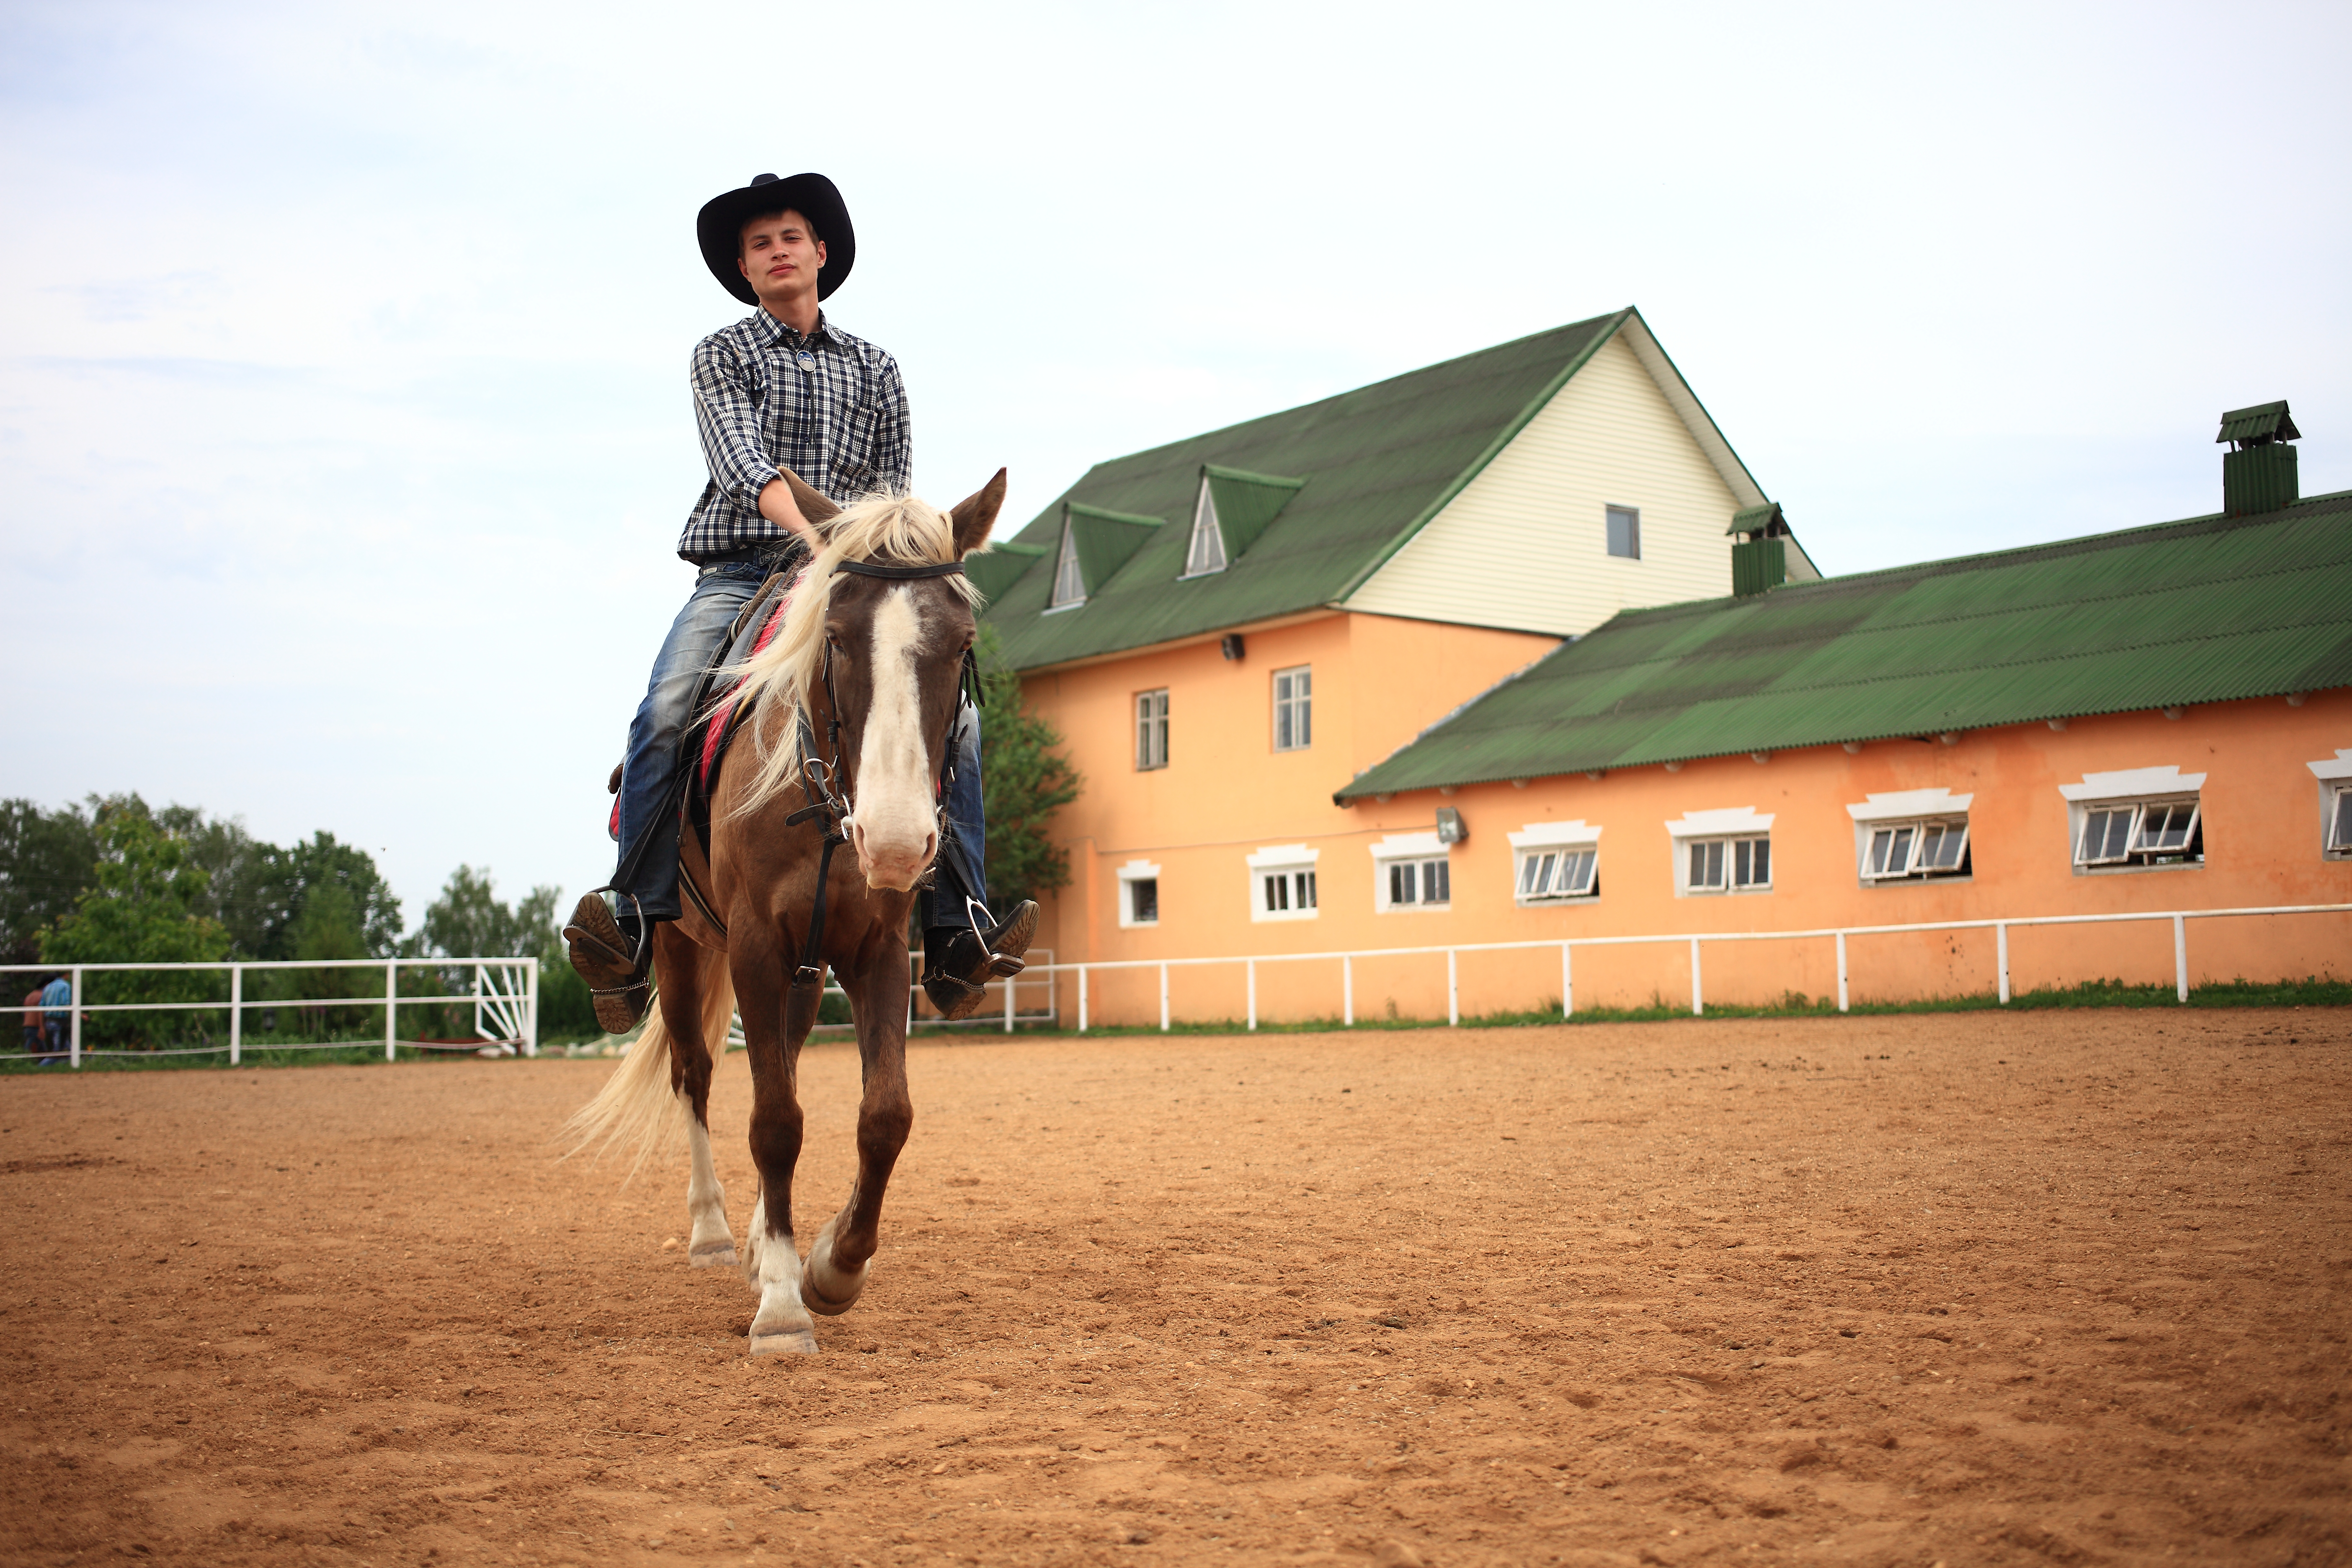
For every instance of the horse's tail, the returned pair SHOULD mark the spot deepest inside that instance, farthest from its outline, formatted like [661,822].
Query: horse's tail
[638,1113]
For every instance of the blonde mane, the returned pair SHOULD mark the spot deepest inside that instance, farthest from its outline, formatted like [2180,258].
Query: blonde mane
[778,680]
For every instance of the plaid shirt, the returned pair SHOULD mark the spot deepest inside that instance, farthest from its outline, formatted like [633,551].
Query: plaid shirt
[838,420]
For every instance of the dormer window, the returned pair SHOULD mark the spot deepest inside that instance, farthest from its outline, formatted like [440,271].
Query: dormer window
[1207,553]
[1069,578]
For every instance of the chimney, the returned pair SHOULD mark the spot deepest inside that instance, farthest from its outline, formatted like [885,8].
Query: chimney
[1760,561]
[2258,470]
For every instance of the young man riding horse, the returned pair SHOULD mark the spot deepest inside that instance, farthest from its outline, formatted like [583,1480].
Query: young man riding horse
[781,395]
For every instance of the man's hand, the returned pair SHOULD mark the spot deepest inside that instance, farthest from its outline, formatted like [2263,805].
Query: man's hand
[776,504]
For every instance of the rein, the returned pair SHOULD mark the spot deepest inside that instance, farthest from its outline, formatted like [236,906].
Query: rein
[821,775]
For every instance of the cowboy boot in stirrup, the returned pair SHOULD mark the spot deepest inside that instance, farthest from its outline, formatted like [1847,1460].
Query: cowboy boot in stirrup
[959,963]
[614,967]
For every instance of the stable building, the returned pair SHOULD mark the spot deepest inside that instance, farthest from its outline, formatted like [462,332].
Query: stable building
[1227,628]
[2149,721]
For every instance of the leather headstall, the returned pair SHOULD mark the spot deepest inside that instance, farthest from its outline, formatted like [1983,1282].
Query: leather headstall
[899,573]
[820,779]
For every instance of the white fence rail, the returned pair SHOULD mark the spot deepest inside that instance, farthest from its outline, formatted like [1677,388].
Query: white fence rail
[1036,981]
[2179,918]
[505,996]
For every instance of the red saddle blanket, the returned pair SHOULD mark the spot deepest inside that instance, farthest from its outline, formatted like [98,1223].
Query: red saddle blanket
[716,728]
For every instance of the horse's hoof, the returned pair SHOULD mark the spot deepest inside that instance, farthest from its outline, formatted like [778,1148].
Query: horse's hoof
[826,1305]
[827,1288]
[714,1257]
[792,1341]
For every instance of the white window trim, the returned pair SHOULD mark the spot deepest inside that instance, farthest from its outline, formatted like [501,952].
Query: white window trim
[2143,787]
[2133,783]
[1407,847]
[1608,507]
[1282,860]
[1204,509]
[1274,717]
[1064,552]
[1552,835]
[1536,838]
[2077,811]
[1909,807]
[1737,822]
[1135,731]
[1741,822]
[1937,802]
[1135,871]
[1863,832]
[2333,776]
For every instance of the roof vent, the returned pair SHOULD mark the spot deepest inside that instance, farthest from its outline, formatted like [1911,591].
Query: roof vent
[2258,470]
[1760,559]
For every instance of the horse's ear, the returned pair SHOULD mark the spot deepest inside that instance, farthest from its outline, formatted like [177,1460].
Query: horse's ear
[976,514]
[818,508]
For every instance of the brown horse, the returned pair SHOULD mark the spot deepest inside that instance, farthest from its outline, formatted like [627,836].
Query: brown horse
[848,707]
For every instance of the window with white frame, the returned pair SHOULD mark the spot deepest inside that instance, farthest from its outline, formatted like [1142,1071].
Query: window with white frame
[1138,894]
[1912,836]
[1729,865]
[1282,883]
[1206,553]
[1625,532]
[1553,862]
[1150,729]
[2335,776]
[1410,871]
[1727,851]
[1294,708]
[1069,577]
[2136,819]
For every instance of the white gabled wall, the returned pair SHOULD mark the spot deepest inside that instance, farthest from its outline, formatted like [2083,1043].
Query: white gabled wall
[1526,545]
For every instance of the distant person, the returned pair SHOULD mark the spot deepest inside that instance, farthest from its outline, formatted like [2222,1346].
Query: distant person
[33,1034]
[57,1002]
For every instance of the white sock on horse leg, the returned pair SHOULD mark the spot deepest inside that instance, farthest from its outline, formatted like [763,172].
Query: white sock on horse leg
[712,1244]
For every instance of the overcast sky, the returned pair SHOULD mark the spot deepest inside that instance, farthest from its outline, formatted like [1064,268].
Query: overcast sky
[344,438]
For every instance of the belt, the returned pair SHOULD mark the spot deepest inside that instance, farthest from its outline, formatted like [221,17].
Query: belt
[773,554]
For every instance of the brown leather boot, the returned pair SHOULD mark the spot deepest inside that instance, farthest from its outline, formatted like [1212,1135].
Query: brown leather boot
[958,966]
[618,978]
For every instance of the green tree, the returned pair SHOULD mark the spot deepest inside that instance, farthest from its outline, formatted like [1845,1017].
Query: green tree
[142,910]
[469,921]
[1024,781]
[258,890]
[48,860]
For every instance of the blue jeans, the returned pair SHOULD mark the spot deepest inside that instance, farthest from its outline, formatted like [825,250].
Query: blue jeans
[652,765]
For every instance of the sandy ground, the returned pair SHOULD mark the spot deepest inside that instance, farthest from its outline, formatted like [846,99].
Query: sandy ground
[1967,1289]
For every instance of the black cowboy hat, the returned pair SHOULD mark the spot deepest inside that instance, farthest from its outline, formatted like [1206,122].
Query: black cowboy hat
[720,227]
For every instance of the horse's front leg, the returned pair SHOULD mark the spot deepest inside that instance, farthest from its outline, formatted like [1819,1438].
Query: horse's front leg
[695,1000]
[771,1260]
[886,1114]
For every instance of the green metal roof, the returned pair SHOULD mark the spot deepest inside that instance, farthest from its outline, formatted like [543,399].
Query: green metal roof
[1755,518]
[2206,610]
[2261,422]
[1360,473]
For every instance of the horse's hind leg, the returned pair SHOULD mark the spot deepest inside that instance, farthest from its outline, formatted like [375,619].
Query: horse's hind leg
[696,1000]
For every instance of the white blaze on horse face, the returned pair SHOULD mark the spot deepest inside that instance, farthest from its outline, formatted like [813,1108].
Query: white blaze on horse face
[894,819]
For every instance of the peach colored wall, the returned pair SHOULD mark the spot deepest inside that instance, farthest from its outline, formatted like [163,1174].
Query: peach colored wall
[1379,681]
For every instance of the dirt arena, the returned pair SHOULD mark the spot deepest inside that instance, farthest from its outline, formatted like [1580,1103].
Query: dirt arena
[1966,1289]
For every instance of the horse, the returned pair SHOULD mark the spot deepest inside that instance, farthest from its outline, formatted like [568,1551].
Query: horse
[845,715]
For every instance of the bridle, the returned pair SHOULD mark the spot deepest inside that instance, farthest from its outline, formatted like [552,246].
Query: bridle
[821,776]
